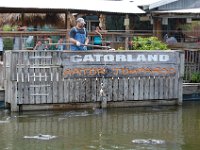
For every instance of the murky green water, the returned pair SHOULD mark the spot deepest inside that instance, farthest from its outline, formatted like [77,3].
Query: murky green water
[147,128]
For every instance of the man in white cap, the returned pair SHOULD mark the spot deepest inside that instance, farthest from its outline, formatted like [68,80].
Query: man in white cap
[79,36]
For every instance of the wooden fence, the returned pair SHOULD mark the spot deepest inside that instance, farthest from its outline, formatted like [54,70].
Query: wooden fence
[192,63]
[108,78]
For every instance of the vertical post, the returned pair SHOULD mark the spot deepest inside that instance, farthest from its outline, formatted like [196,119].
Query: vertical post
[14,106]
[102,21]
[66,21]
[126,24]
[68,28]
[13,81]
[181,75]
[157,28]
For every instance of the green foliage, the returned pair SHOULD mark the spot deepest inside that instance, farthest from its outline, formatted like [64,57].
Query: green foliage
[195,78]
[150,43]
[190,26]
[7,28]
[120,48]
[8,43]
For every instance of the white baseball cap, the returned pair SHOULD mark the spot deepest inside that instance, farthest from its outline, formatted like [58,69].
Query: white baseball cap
[81,20]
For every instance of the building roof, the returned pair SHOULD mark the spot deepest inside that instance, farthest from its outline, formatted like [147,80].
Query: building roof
[144,2]
[71,5]
[161,3]
[181,11]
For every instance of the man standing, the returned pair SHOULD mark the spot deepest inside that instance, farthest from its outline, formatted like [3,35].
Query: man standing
[79,36]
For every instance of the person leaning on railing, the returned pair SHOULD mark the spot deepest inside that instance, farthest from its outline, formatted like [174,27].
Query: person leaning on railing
[60,45]
[79,36]
[39,46]
[98,36]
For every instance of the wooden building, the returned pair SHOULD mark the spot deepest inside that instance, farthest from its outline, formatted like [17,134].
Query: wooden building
[95,12]
[167,15]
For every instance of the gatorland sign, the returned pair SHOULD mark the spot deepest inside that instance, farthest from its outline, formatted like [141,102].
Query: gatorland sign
[115,64]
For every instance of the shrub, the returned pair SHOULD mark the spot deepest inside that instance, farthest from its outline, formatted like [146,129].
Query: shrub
[150,43]
[7,28]
[195,78]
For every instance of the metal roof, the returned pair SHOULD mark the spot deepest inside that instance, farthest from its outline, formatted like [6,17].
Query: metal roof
[161,3]
[80,5]
[144,2]
[181,11]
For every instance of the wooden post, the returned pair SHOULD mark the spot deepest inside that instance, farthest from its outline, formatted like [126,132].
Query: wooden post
[181,75]
[13,82]
[157,28]
[68,29]
[126,23]
[102,21]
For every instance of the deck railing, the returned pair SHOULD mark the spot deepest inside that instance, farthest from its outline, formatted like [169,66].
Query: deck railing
[115,39]
[192,63]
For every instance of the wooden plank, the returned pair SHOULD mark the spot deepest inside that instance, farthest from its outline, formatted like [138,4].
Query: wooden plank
[152,89]
[157,87]
[26,80]
[88,90]
[136,88]
[66,90]
[20,88]
[161,87]
[55,85]
[147,88]
[49,89]
[180,91]
[121,89]
[171,87]
[115,89]
[166,88]
[131,88]
[109,89]
[176,88]
[37,80]
[8,77]
[31,82]
[141,88]
[60,86]
[42,78]
[126,90]
[99,81]
[71,93]
[82,90]
[14,106]
[94,89]
[77,90]
[13,66]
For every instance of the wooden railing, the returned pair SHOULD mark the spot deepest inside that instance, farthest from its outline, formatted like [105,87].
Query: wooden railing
[192,63]
[103,77]
[115,39]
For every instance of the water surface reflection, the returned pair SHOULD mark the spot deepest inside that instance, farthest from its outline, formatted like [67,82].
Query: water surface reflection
[149,128]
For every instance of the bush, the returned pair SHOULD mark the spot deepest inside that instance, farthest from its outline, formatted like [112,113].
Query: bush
[151,43]
[7,28]
[8,42]
[195,78]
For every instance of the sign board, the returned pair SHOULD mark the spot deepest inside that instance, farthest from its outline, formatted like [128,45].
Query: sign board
[114,64]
